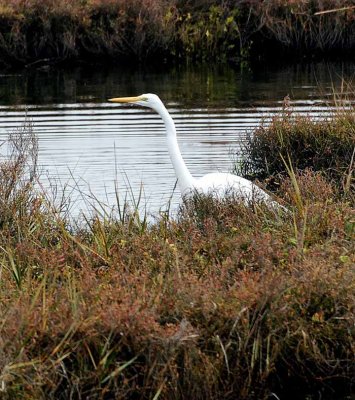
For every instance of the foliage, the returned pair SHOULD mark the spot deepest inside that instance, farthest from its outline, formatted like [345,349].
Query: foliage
[210,34]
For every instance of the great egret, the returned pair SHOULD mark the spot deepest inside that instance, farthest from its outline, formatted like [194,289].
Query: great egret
[217,184]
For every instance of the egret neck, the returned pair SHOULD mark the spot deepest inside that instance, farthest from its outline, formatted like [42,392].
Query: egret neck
[185,179]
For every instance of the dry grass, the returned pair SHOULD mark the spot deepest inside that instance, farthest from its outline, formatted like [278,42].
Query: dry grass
[53,31]
[226,301]
[296,24]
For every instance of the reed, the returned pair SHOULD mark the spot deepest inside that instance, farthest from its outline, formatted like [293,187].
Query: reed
[305,26]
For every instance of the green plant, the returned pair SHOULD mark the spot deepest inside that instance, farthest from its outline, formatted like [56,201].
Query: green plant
[213,33]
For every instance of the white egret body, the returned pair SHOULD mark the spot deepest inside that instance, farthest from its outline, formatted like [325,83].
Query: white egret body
[218,184]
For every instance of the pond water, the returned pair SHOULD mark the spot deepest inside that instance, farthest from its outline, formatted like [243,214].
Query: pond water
[94,150]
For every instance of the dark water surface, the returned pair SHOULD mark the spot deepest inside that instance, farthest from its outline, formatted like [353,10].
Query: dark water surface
[93,148]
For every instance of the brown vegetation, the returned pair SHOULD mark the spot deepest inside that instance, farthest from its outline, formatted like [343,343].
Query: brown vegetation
[226,301]
[53,31]
[303,27]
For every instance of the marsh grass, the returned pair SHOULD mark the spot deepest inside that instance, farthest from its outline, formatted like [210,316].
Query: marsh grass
[324,145]
[36,32]
[304,28]
[224,301]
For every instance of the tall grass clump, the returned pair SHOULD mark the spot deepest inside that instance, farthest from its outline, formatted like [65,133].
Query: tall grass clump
[324,144]
[18,174]
[225,301]
[305,28]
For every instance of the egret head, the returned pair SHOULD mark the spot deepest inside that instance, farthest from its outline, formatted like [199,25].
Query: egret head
[146,100]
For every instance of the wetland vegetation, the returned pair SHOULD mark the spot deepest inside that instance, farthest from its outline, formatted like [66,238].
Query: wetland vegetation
[223,301]
[34,32]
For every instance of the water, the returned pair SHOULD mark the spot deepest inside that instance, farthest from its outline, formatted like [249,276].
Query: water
[94,149]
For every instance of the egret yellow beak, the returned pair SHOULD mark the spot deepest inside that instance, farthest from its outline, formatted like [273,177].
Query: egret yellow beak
[125,99]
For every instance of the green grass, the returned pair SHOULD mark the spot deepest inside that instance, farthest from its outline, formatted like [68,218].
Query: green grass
[225,301]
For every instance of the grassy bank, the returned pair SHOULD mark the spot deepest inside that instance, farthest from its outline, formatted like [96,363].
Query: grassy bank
[225,301]
[50,31]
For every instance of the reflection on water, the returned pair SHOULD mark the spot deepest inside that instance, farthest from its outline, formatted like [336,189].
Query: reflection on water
[90,144]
